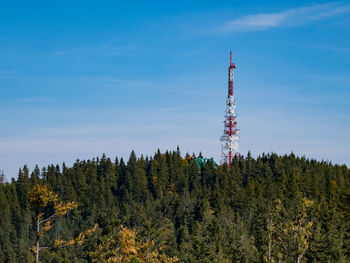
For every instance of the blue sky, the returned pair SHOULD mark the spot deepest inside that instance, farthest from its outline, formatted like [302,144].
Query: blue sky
[82,78]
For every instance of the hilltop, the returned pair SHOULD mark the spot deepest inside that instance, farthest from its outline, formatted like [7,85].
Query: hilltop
[246,213]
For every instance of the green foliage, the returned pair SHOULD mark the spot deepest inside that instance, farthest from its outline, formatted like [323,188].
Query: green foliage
[259,210]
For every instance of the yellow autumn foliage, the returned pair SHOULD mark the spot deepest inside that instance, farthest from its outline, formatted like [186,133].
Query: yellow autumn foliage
[62,208]
[299,230]
[127,250]
[78,240]
[40,197]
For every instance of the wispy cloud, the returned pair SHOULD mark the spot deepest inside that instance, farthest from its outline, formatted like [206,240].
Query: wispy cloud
[287,18]
[114,48]
[98,130]
[99,144]
[179,108]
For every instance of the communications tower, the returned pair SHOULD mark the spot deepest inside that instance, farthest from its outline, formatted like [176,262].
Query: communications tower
[230,139]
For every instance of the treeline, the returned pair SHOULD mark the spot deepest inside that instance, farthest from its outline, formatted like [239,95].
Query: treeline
[269,209]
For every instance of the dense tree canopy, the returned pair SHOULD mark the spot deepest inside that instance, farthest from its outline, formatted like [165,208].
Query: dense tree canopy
[269,209]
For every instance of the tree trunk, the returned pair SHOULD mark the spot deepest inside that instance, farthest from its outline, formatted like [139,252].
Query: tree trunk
[270,237]
[37,241]
[298,250]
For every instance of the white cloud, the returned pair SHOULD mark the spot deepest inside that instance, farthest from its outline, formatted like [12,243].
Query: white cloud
[291,17]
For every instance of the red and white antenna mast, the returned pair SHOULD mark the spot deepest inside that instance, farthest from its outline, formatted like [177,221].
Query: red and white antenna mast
[230,139]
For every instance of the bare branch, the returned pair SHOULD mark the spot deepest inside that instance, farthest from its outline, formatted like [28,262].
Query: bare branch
[47,219]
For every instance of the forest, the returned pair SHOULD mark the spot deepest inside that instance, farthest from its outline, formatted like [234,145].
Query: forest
[266,209]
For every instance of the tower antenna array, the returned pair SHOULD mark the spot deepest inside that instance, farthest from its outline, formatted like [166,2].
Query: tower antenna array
[230,138]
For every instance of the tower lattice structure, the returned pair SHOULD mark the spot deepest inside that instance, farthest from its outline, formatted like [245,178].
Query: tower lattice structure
[230,138]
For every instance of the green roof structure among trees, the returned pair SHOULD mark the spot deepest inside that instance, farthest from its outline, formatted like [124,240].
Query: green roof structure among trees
[203,161]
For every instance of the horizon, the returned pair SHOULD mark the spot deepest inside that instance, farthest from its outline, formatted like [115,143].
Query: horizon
[138,156]
[81,79]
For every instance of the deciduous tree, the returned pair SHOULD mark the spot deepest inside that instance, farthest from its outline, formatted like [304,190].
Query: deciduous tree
[46,206]
[126,249]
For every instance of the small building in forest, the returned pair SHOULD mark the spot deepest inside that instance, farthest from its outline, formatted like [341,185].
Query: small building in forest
[203,161]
